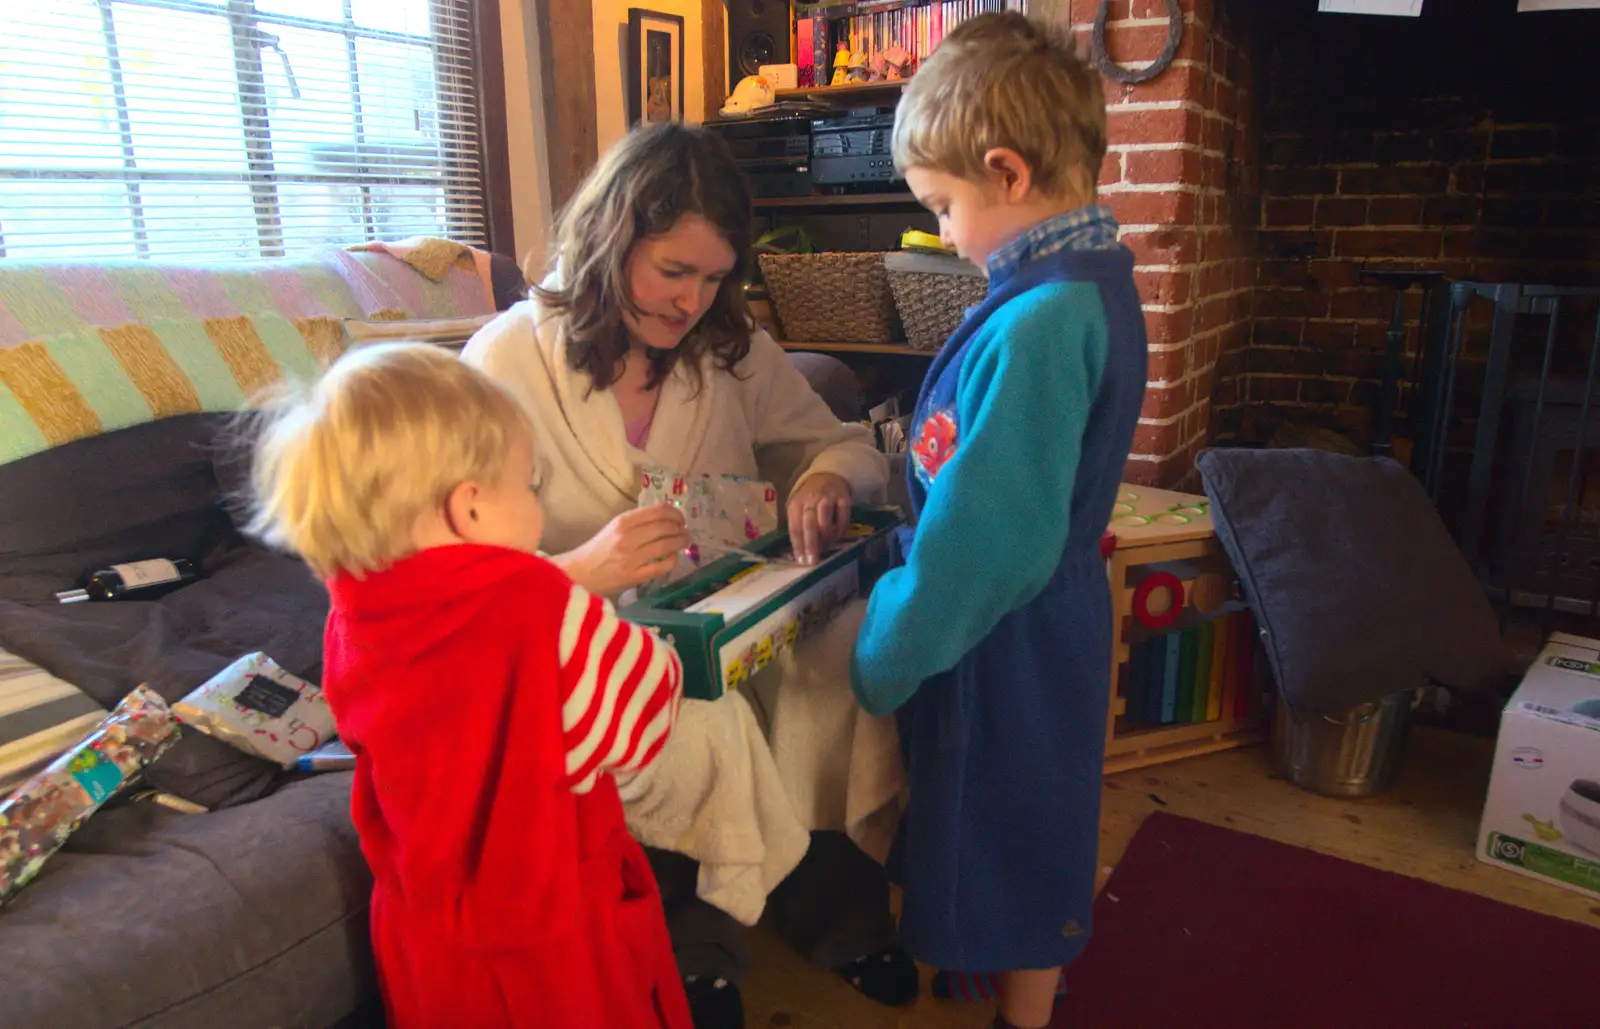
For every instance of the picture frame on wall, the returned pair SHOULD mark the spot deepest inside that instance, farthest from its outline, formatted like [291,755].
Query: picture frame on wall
[655,66]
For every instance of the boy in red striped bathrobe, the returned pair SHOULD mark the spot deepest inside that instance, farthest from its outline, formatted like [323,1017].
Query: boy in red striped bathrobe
[487,699]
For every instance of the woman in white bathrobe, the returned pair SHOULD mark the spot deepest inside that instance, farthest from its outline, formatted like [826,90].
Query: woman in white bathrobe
[640,350]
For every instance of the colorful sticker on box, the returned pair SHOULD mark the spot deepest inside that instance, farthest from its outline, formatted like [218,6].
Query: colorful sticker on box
[1545,861]
[1573,664]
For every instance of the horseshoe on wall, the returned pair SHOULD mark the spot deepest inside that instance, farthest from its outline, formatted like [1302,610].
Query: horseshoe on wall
[1130,76]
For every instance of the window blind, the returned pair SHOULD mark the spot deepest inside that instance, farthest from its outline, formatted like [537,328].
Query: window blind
[234,129]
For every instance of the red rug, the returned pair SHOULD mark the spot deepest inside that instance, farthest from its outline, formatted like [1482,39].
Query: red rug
[1205,927]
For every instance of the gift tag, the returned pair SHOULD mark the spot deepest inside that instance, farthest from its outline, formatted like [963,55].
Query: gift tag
[723,512]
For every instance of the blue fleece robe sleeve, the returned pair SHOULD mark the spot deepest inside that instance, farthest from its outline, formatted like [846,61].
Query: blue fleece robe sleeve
[997,513]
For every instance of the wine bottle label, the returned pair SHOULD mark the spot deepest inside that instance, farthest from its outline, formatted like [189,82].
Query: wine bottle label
[138,574]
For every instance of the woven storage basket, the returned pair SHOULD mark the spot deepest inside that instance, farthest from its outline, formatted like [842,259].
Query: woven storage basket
[831,298]
[932,293]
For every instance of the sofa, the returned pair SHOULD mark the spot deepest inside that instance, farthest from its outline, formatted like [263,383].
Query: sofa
[119,384]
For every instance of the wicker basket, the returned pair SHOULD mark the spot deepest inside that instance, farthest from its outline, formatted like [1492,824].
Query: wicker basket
[933,293]
[831,298]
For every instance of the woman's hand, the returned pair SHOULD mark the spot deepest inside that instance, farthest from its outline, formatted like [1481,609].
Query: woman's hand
[634,548]
[819,513]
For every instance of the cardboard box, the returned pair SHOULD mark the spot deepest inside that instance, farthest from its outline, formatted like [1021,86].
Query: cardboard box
[782,76]
[1542,818]
[728,620]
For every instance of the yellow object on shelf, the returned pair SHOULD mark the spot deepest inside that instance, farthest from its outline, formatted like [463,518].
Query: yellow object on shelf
[923,242]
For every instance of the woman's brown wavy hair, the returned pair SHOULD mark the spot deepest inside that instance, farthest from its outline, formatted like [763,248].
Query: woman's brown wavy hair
[640,188]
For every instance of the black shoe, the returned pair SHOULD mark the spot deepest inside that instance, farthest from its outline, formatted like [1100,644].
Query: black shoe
[714,1003]
[888,976]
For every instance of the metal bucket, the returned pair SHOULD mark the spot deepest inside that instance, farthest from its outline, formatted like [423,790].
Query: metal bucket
[1355,755]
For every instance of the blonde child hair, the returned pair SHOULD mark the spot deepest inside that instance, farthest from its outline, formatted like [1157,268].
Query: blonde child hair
[1005,80]
[343,469]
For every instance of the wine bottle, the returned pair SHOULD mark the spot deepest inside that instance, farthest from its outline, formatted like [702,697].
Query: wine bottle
[136,580]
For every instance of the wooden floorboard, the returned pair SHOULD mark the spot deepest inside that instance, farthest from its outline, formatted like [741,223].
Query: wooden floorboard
[1425,826]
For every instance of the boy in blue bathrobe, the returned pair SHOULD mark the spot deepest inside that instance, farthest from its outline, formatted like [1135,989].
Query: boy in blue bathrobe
[992,640]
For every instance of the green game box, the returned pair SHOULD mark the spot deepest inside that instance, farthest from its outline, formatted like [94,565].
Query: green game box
[728,620]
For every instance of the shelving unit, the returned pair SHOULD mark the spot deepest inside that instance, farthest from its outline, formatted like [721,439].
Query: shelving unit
[1195,546]
[839,200]
[854,92]
[846,8]
[854,222]
[873,27]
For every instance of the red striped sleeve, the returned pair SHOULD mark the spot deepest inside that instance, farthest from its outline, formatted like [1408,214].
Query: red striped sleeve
[620,688]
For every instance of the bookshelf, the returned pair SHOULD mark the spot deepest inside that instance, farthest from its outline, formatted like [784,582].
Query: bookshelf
[851,8]
[901,199]
[873,28]
[1186,552]
[859,92]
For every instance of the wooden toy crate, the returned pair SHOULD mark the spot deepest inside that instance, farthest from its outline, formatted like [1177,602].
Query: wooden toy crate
[1166,540]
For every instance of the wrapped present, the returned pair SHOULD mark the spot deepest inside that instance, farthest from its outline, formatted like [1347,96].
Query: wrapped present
[37,818]
[260,709]
[723,512]
[730,618]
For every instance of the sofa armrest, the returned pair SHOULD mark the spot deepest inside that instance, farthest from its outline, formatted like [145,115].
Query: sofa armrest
[505,278]
[834,382]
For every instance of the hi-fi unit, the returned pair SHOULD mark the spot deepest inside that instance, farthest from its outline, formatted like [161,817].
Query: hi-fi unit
[852,148]
[773,150]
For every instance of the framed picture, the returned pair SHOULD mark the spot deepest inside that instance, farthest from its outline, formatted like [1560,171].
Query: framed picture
[655,66]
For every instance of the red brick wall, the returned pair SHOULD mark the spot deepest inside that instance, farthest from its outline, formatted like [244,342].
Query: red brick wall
[1181,177]
[1461,148]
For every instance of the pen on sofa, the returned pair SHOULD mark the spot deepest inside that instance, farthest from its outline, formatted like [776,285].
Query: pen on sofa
[330,758]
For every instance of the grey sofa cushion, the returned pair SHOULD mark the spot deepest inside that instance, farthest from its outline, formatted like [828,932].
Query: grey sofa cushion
[251,918]
[1357,586]
[249,599]
[505,279]
[834,382]
[150,491]
[145,491]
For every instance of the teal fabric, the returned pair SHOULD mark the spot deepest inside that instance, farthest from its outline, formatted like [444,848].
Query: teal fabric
[988,547]
[1019,441]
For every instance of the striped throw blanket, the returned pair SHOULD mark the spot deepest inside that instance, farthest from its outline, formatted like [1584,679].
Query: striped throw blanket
[88,347]
[40,718]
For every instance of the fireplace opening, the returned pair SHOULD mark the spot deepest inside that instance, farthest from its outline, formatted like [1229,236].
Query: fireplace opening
[1428,271]
[1510,438]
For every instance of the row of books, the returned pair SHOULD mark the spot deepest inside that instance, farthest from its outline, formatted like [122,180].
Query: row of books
[914,27]
[1201,674]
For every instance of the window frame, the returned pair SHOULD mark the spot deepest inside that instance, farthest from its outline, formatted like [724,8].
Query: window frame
[494,149]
